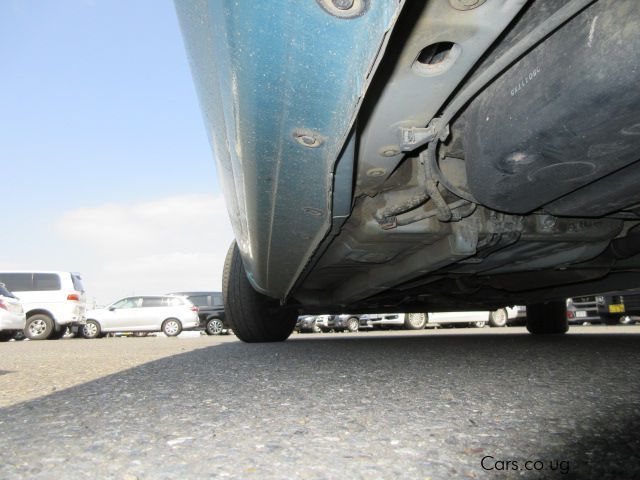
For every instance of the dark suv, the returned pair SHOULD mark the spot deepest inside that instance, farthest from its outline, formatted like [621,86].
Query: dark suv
[211,310]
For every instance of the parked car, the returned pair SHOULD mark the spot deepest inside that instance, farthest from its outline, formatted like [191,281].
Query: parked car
[583,309]
[338,323]
[307,324]
[464,154]
[52,301]
[12,316]
[169,314]
[416,321]
[211,310]
[619,307]
[408,321]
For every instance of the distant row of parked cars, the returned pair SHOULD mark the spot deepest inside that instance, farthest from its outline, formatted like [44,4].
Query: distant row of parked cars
[410,321]
[47,305]
[614,308]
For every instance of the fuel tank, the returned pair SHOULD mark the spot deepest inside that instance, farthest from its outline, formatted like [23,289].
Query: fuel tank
[562,119]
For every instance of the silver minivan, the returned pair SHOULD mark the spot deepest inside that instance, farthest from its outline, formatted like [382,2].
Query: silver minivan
[170,314]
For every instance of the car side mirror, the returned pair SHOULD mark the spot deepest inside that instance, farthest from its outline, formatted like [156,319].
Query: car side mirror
[111,309]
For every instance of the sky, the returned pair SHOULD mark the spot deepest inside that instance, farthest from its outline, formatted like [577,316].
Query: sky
[105,165]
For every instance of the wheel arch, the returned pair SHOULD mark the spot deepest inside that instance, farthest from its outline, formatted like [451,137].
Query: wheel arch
[41,311]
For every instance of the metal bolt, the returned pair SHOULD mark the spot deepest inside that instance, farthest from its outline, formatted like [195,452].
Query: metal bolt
[390,151]
[343,4]
[307,138]
[376,172]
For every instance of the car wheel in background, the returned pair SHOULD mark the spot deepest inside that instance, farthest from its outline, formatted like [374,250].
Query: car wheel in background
[39,327]
[91,329]
[547,318]
[252,316]
[171,327]
[627,320]
[140,334]
[479,324]
[415,321]
[19,336]
[353,324]
[499,318]
[214,326]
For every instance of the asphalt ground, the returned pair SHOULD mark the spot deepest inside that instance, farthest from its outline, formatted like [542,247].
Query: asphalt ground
[456,403]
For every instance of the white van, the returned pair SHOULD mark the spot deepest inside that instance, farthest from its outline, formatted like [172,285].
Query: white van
[52,300]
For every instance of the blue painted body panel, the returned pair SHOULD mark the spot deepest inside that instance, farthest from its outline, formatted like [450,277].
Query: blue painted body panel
[264,70]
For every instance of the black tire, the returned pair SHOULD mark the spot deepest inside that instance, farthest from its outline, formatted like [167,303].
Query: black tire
[140,334]
[353,324]
[252,316]
[214,326]
[172,327]
[499,318]
[39,327]
[19,336]
[415,321]
[479,324]
[91,329]
[547,318]
[6,336]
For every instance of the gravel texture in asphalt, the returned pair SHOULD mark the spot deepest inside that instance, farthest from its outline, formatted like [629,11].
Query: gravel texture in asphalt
[428,404]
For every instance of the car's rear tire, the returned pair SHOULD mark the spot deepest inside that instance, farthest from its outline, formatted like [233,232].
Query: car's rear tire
[214,326]
[547,318]
[91,329]
[415,321]
[171,327]
[39,327]
[353,324]
[499,318]
[252,316]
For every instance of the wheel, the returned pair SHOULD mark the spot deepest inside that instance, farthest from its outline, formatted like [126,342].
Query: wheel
[499,318]
[479,324]
[171,327]
[316,329]
[214,326]
[39,327]
[91,329]
[252,316]
[415,321]
[627,320]
[353,324]
[6,336]
[547,318]
[140,334]
[19,336]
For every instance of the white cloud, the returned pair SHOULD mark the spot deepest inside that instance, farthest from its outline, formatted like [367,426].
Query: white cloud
[175,243]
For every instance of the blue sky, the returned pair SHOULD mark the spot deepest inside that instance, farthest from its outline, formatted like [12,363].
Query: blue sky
[97,108]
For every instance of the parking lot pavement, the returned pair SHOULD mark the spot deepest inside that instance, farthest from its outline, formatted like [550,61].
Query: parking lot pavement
[429,404]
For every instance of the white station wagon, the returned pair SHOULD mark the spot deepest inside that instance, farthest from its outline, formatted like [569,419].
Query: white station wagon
[160,313]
